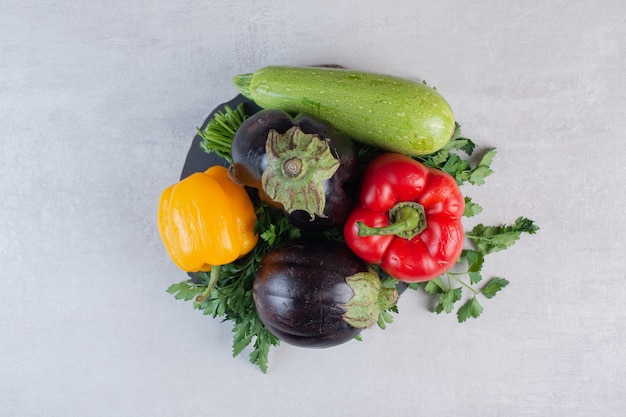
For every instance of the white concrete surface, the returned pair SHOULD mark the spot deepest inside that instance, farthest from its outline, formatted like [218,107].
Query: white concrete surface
[99,101]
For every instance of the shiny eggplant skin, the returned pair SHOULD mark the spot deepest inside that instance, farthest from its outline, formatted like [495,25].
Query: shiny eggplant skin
[300,291]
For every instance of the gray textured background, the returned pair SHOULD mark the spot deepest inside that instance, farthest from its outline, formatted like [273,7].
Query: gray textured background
[99,101]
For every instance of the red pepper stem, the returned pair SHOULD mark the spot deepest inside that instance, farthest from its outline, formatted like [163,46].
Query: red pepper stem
[215,274]
[407,219]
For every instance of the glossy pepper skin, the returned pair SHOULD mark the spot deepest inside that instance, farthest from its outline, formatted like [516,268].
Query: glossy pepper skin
[299,165]
[409,219]
[206,220]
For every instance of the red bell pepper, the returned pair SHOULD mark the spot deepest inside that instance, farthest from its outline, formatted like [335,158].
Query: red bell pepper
[409,219]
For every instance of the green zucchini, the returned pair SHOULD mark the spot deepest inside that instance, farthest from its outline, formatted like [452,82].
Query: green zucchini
[383,111]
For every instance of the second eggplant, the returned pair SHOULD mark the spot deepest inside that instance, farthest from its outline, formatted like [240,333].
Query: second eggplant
[313,292]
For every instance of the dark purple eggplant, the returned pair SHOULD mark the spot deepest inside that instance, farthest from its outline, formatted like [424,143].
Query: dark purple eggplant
[300,165]
[316,293]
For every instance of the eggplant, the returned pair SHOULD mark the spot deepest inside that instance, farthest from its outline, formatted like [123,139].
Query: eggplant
[299,165]
[313,292]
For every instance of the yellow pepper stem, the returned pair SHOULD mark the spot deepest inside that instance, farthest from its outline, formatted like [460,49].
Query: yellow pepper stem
[215,274]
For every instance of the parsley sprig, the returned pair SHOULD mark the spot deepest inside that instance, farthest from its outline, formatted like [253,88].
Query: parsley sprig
[485,240]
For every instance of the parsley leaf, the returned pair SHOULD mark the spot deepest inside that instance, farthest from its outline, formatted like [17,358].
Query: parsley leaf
[483,168]
[185,290]
[264,341]
[434,286]
[243,334]
[471,209]
[269,234]
[472,308]
[493,286]
[489,239]
[461,143]
[475,263]
[447,300]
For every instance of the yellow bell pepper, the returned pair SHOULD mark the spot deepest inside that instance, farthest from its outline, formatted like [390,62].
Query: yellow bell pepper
[206,220]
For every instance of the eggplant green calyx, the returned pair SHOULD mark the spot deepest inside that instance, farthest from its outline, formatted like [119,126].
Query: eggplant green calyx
[298,164]
[369,300]
[407,220]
